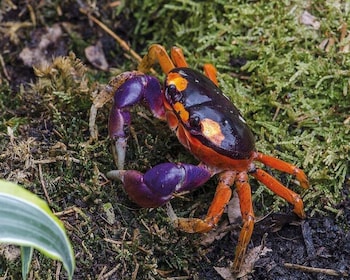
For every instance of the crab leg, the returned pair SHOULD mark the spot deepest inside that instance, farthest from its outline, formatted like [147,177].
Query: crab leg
[178,57]
[280,190]
[157,185]
[210,72]
[135,89]
[246,205]
[284,167]
[221,198]
[156,53]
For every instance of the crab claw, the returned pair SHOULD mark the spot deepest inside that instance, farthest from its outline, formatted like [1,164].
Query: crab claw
[158,185]
[137,190]
[130,90]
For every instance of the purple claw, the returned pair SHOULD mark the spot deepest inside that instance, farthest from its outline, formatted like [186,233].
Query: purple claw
[131,92]
[158,184]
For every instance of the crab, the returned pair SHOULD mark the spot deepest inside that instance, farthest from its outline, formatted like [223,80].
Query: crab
[213,130]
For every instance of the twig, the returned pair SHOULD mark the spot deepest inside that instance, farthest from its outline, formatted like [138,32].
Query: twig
[326,271]
[120,41]
[55,159]
[136,270]
[73,209]
[179,278]
[65,212]
[102,272]
[58,270]
[2,64]
[87,251]
[347,120]
[42,181]
[117,242]
[343,33]
[110,273]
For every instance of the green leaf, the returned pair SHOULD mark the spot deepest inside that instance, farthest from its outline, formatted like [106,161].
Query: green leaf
[26,220]
[26,256]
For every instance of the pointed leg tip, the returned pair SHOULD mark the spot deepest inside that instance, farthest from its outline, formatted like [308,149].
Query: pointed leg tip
[236,266]
[116,175]
[304,183]
[302,178]
[300,213]
[171,213]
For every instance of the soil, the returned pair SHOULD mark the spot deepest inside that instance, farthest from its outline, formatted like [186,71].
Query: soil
[319,242]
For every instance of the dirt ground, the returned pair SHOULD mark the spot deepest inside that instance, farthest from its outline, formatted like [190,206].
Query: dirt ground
[316,242]
[321,243]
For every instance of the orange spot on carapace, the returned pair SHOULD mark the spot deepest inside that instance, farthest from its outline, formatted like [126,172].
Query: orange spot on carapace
[181,111]
[212,131]
[177,80]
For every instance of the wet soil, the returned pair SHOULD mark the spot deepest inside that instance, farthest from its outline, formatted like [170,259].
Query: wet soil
[315,248]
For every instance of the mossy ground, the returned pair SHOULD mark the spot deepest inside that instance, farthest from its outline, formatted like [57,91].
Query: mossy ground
[292,90]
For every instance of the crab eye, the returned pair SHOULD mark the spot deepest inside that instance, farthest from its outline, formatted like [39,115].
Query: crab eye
[195,122]
[173,94]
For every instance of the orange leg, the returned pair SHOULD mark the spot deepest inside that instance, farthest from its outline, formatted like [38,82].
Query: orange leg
[246,205]
[210,72]
[156,53]
[280,190]
[284,167]
[222,196]
[178,57]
